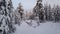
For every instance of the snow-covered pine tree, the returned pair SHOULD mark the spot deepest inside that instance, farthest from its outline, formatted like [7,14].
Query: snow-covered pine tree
[49,13]
[53,10]
[20,10]
[46,11]
[10,14]
[38,10]
[19,14]
[6,11]
[57,13]
[3,15]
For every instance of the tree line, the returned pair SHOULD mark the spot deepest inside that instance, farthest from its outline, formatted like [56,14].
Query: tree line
[47,12]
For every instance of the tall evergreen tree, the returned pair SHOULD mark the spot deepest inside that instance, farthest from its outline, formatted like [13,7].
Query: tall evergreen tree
[6,12]
[20,10]
[49,13]
[46,11]
[38,10]
[19,14]
[57,13]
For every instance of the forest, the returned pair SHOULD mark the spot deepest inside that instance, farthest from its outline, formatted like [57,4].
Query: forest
[10,17]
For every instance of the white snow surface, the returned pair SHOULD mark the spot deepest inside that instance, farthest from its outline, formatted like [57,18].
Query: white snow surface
[44,28]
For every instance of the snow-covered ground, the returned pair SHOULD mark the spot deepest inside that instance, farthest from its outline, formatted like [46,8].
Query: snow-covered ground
[44,28]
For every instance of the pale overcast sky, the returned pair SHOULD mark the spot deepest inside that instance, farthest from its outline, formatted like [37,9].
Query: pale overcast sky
[29,4]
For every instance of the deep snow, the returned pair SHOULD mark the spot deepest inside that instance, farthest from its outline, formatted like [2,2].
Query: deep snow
[44,28]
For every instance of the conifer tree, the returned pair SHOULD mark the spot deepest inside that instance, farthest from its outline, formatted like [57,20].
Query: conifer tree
[38,10]
[6,14]
[57,13]
[20,10]
[19,14]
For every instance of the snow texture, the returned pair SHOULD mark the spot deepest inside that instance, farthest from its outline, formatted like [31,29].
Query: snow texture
[44,28]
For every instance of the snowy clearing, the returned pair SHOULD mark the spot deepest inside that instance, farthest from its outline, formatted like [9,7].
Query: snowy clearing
[44,28]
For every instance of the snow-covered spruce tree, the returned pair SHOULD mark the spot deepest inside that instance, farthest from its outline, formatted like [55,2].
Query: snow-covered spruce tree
[20,10]
[57,13]
[3,15]
[6,11]
[10,14]
[49,13]
[19,14]
[46,11]
[38,10]
[53,10]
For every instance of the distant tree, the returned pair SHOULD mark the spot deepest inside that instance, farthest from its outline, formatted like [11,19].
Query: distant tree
[46,11]
[53,12]
[19,14]
[57,13]
[20,10]
[50,13]
[38,10]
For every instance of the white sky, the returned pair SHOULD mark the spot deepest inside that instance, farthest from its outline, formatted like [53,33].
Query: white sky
[29,4]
